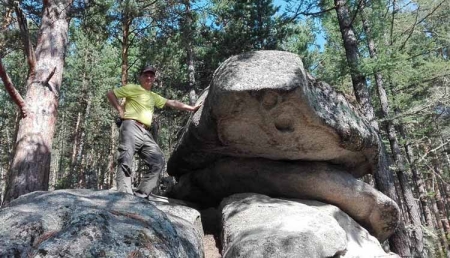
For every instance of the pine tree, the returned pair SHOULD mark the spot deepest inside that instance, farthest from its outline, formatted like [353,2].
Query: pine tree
[30,166]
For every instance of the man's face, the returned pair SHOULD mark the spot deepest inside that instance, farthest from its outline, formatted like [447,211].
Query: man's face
[147,78]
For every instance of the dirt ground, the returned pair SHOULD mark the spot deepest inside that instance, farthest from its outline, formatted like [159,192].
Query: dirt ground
[211,250]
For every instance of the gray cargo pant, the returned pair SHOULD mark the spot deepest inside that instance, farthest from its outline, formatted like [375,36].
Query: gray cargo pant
[135,139]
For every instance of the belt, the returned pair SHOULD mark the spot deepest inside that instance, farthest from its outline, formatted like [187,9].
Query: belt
[146,127]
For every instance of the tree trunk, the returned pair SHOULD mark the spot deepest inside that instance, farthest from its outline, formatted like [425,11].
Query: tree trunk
[103,182]
[401,201]
[439,219]
[53,170]
[188,46]
[78,168]
[442,218]
[352,53]
[440,201]
[423,196]
[125,34]
[412,208]
[446,150]
[445,197]
[414,215]
[80,131]
[383,178]
[126,23]
[30,166]
[76,139]
[384,181]
[7,19]
[431,186]
[61,171]
[2,182]
[111,156]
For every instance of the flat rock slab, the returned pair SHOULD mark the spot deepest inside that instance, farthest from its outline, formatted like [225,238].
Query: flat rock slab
[264,104]
[259,226]
[85,223]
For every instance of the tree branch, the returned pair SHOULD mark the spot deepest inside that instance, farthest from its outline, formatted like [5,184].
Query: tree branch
[132,64]
[414,110]
[28,47]
[414,85]
[411,30]
[149,4]
[297,13]
[50,76]
[431,169]
[391,32]
[358,8]
[12,91]
[430,151]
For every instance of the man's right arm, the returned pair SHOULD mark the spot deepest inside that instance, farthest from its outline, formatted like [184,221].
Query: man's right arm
[115,102]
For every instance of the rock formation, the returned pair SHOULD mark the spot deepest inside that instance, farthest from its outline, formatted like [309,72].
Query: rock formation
[268,127]
[264,104]
[268,144]
[253,227]
[85,223]
[301,179]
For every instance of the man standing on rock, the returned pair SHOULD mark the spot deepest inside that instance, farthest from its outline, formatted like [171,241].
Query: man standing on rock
[135,133]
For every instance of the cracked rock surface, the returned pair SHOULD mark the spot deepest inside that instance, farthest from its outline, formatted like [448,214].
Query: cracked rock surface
[85,223]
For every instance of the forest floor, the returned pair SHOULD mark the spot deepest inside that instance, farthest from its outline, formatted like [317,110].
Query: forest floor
[210,246]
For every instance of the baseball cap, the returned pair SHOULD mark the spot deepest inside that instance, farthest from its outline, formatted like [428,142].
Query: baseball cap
[148,69]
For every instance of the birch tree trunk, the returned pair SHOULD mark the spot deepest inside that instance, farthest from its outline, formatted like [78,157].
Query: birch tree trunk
[30,166]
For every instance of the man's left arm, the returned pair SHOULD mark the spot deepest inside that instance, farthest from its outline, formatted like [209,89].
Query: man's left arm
[181,106]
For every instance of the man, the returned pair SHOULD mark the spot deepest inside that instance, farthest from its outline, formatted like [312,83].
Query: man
[135,136]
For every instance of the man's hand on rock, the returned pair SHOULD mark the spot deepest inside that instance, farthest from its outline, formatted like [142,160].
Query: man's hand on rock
[196,107]
[24,112]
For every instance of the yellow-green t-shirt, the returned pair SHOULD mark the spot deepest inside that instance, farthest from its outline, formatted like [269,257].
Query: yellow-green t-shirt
[140,102]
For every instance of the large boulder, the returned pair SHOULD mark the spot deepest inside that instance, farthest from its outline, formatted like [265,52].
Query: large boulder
[258,226]
[301,179]
[264,104]
[268,127]
[85,223]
